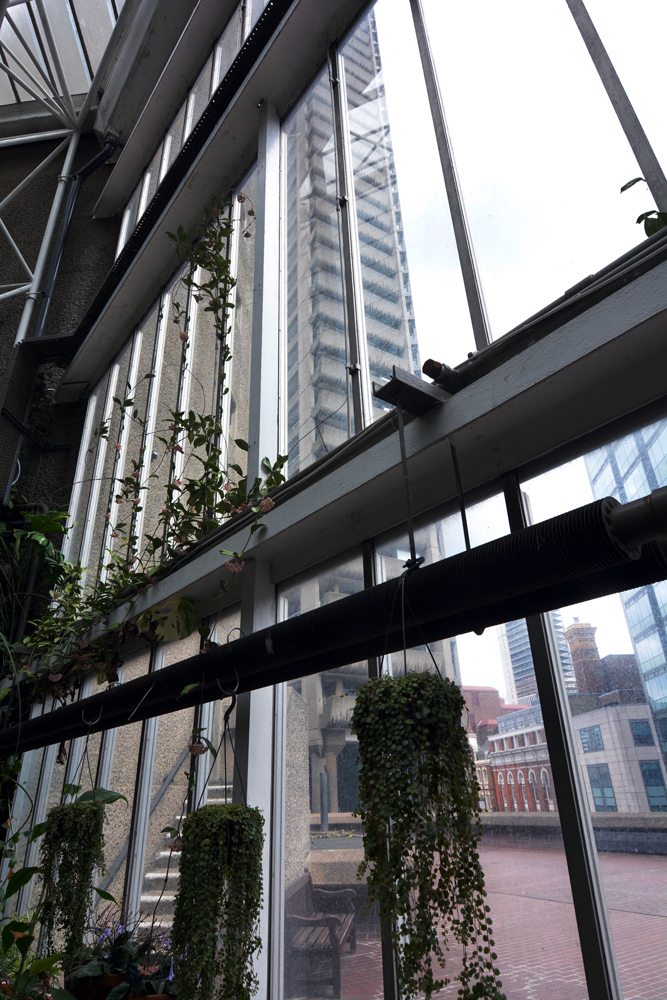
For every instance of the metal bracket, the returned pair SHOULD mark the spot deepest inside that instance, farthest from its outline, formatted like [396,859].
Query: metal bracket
[8,415]
[414,395]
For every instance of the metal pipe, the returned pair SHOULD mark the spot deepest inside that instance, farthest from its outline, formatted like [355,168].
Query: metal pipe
[33,173]
[61,239]
[627,116]
[14,291]
[16,250]
[464,243]
[535,569]
[641,520]
[55,56]
[50,97]
[20,140]
[46,240]
[46,101]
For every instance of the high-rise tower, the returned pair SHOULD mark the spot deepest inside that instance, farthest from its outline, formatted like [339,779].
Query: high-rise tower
[517,659]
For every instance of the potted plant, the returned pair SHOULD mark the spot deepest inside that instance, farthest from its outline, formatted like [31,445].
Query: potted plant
[121,962]
[215,933]
[419,803]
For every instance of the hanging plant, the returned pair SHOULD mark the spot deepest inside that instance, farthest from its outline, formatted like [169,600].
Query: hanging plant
[72,852]
[419,803]
[216,919]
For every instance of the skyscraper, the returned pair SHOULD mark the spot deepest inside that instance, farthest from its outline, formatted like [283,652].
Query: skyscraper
[626,469]
[517,660]
[320,411]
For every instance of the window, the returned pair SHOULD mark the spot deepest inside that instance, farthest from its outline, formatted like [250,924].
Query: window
[546,785]
[475,697]
[522,785]
[501,783]
[654,784]
[510,782]
[532,781]
[601,786]
[641,733]
[591,739]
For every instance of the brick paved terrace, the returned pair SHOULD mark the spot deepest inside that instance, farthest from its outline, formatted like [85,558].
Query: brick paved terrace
[535,932]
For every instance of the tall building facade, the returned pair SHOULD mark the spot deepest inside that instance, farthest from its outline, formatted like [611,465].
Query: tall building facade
[517,660]
[319,393]
[627,469]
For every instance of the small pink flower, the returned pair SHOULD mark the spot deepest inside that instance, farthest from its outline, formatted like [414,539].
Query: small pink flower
[118,447]
[54,678]
[176,844]
[178,482]
[227,487]
[107,516]
[266,505]
[147,970]
[118,499]
[240,198]
[173,427]
[131,561]
[183,335]
[177,447]
[165,510]
[234,565]
[135,474]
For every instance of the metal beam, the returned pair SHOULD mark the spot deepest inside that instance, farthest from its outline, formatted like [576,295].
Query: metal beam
[20,140]
[597,950]
[10,240]
[34,173]
[627,116]
[57,62]
[45,101]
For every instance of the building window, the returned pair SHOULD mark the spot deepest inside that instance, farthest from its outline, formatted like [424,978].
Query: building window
[654,784]
[510,782]
[546,786]
[475,697]
[591,739]
[501,783]
[641,733]
[522,785]
[601,787]
[532,781]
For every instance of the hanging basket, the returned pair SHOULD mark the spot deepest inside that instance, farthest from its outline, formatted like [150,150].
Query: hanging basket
[215,934]
[419,803]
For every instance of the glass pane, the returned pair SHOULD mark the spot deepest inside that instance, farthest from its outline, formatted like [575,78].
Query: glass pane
[414,299]
[322,837]
[151,186]
[238,376]
[71,57]
[618,705]
[199,96]
[96,24]
[319,405]
[540,152]
[227,47]
[21,18]
[173,141]
[86,477]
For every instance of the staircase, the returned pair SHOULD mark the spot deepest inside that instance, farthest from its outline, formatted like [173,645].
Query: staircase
[161,879]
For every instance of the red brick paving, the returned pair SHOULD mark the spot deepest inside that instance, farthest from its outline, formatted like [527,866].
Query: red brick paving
[535,932]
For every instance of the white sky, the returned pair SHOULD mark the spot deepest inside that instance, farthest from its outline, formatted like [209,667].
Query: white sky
[541,159]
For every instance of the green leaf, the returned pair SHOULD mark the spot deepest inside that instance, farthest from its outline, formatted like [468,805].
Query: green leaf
[188,688]
[104,894]
[43,964]
[19,879]
[37,831]
[101,795]
[240,443]
[172,831]
[214,750]
[635,180]
[118,991]
[72,789]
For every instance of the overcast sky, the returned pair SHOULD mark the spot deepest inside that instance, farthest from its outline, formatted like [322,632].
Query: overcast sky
[541,159]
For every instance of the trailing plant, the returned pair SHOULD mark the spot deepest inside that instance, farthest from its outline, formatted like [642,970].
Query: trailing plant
[419,803]
[72,851]
[215,932]
[87,627]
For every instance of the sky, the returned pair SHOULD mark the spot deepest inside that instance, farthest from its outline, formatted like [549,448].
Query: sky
[541,158]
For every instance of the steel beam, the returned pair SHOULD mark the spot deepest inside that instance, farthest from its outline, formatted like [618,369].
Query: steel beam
[627,116]
[34,173]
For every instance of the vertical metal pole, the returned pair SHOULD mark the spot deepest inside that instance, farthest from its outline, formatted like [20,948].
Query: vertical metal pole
[627,116]
[263,406]
[462,235]
[276,906]
[354,308]
[590,909]
[44,249]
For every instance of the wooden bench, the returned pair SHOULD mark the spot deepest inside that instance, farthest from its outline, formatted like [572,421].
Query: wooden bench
[318,923]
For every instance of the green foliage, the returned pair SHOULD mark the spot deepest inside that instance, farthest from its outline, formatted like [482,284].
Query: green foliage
[72,850]
[216,921]
[653,221]
[419,802]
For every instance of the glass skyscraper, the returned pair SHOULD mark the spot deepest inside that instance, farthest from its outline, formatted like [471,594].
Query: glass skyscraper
[517,660]
[626,469]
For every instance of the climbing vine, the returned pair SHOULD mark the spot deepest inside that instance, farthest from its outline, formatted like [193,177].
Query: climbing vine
[216,920]
[419,803]
[88,625]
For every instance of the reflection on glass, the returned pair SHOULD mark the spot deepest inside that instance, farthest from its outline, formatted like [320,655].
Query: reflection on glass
[396,162]
[319,407]
[323,846]
[540,153]
[198,98]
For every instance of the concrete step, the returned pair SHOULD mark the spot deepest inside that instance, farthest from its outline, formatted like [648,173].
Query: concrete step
[161,875]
